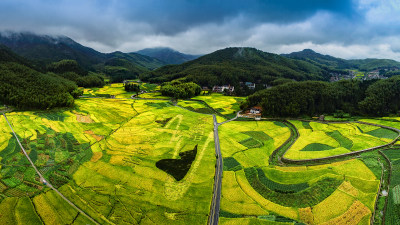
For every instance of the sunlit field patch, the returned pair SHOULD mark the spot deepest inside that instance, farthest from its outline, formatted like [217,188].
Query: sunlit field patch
[119,180]
[309,194]
[226,105]
[330,139]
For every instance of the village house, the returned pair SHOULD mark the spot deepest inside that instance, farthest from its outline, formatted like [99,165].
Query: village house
[221,89]
[256,110]
[250,85]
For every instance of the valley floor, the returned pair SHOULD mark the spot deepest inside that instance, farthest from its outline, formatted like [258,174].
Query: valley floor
[138,161]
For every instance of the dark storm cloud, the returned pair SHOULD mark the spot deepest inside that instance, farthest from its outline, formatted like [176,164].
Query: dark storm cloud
[166,17]
[350,28]
[178,15]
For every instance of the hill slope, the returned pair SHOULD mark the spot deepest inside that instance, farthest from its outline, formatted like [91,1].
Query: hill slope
[44,49]
[234,65]
[25,88]
[338,63]
[167,55]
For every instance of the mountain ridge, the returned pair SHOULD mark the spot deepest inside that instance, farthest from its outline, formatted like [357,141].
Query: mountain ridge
[367,64]
[168,55]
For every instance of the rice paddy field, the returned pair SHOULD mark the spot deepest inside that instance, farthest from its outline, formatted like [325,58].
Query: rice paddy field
[126,161]
[317,140]
[120,161]
[117,89]
[256,192]
[226,105]
[153,95]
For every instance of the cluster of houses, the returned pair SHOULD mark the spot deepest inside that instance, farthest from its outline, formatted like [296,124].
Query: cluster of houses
[221,89]
[338,76]
[228,88]
[375,74]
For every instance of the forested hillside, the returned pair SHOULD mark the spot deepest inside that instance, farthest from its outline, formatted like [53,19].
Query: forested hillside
[42,50]
[25,88]
[372,98]
[167,55]
[234,65]
[70,70]
[338,63]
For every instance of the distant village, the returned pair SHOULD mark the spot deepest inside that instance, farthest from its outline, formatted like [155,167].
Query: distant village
[371,75]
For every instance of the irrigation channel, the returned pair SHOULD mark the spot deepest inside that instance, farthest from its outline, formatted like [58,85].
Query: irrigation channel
[278,155]
[47,183]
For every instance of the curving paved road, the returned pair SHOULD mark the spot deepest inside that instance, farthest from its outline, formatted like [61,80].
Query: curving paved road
[42,178]
[215,204]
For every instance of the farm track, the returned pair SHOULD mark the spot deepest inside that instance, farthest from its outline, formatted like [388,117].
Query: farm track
[48,184]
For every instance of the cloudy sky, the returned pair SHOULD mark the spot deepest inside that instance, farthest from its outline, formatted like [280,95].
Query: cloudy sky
[342,28]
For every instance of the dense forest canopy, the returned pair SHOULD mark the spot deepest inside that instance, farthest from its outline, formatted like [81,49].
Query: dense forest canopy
[372,98]
[181,90]
[25,88]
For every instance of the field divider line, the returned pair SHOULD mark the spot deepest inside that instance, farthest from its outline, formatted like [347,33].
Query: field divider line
[42,178]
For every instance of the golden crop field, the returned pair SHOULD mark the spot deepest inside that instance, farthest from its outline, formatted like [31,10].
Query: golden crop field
[119,181]
[349,184]
[317,140]
[226,105]
[126,161]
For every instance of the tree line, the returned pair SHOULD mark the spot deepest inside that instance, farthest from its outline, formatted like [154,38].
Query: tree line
[310,98]
[178,89]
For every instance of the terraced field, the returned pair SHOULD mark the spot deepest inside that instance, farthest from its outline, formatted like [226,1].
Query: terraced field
[318,140]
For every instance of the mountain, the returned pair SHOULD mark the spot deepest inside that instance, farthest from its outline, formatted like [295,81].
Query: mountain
[234,65]
[24,87]
[44,49]
[319,59]
[167,55]
[142,61]
[338,63]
